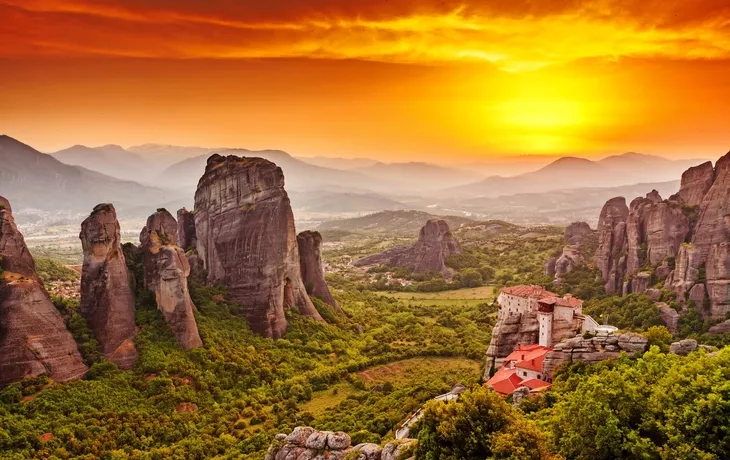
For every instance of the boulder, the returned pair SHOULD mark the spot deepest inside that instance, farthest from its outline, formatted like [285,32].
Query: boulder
[186,236]
[310,259]
[654,293]
[697,295]
[611,254]
[435,244]
[576,232]
[165,273]
[669,316]
[640,282]
[306,443]
[683,347]
[33,335]
[247,241]
[107,298]
[720,328]
[397,450]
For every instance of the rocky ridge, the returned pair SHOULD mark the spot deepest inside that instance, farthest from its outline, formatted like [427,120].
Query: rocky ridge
[33,336]
[165,273]
[107,299]
[592,350]
[435,244]
[305,443]
[247,242]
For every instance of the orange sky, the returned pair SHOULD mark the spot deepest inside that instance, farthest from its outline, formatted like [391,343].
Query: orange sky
[392,79]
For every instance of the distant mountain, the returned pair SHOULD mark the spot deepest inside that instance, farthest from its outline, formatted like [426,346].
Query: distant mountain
[31,179]
[400,223]
[111,160]
[298,175]
[320,201]
[339,163]
[572,173]
[162,156]
[418,176]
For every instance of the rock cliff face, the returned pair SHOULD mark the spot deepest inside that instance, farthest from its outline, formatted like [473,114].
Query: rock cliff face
[576,232]
[33,335]
[696,182]
[165,273]
[592,350]
[611,255]
[107,299]
[435,244]
[186,237]
[570,259]
[508,332]
[310,260]
[247,241]
[305,443]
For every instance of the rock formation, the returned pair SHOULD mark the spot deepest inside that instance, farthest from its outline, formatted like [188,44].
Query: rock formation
[508,332]
[165,273]
[33,336]
[576,232]
[186,237]
[592,350]
[107,299]
[612,245]
[247,242]
[305,443]
[568,260]
[435,243]
[310,260]
[696,182]
[669,316]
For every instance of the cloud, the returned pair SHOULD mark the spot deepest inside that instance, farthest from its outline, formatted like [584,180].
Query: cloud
[513,35]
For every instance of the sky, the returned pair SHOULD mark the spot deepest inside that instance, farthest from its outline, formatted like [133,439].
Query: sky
[396,80]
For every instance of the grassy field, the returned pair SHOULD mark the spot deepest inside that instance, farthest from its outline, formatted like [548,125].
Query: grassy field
[467,296]
[408,373]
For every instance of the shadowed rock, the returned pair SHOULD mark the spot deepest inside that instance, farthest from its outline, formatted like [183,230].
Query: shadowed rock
[107,299]
[696,182]
[435,244]
[247,241]
[610,256]
[186,237]
[33,336]
[165,273]
[310,259]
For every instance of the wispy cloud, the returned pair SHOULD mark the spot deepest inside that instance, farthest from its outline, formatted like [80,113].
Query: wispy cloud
[514,36]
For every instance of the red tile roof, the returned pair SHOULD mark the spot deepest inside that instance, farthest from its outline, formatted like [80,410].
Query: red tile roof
[533,359]
[505,381]
[520,352]
[535,384]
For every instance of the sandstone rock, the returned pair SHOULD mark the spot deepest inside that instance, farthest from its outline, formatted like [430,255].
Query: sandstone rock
[368,451]
[310,259]
[570,259]
[338,440]
[165,273]
[612,248]
[697,295]
[508,332]
[305,443]
[33,335]
[654,293]
[683,347]
[576,232]
[186,237]
[247,242]
[592,350]
[396,450]
[640,282]
[669,316]
[107,299]
[435,244]
[317,440]
[550,267]
[662,271]
[696,182]
[519,395]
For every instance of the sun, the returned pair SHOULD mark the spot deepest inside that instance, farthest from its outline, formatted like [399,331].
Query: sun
[540,114]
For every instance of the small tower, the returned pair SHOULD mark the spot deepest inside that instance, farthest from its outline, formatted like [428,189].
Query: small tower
[545,308]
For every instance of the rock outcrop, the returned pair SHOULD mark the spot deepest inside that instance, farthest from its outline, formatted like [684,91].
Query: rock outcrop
[165,273]
[669,316]
[435,243]
[510,331]
[33,336]
[592,350]
[247,241]
[576,232]
[611,255]
[310,260]
[696,182]
[683,347]
[186,236]
[568,260]
[107,299]
[305,443]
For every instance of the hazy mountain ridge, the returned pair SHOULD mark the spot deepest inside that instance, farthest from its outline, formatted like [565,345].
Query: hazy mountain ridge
[405,222]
